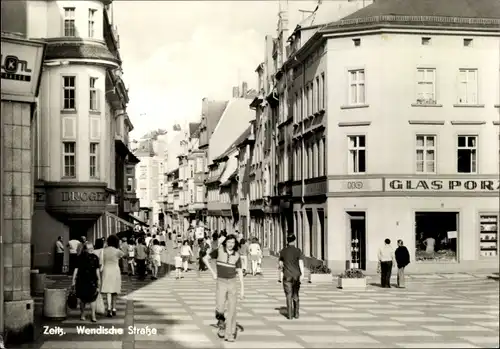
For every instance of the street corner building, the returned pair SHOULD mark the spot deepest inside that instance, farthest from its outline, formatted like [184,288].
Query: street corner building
[393,139]
[83,172]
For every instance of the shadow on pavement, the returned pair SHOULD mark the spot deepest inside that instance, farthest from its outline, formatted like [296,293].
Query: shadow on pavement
[123,320]
[282,311]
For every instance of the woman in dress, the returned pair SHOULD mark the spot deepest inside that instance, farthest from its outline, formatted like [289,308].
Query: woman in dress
[186,253]
[156,250]
[111,276]
[87,280]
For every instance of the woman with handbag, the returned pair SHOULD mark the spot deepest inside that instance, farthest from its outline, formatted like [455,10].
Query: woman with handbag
[87,280]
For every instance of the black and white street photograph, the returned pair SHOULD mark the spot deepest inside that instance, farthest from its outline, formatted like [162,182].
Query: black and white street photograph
[249,174]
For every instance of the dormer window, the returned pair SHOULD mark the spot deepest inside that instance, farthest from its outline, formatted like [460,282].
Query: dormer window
[356,42]
[467,42]
[426,41]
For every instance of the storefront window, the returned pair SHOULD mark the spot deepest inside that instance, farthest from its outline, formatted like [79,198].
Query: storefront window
[488,235]
[436,236]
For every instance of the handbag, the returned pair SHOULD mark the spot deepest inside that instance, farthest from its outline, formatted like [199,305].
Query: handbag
[378,268]
[99,305]
[72,300]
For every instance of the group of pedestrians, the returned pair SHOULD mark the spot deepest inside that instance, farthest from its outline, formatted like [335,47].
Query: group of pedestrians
[388,257]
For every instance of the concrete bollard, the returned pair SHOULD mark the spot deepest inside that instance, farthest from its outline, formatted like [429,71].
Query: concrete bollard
[38,282]
[54,304]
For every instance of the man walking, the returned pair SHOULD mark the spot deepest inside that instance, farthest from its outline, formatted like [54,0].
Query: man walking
[402,260]
[292,263]
[386,259]
[59,256]
[73,247]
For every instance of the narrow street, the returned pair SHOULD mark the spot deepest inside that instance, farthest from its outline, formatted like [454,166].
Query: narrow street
[434,311]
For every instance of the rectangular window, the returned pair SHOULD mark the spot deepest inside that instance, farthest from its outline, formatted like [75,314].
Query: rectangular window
[489,235]
[426,86]
[69,92]
[318,95]
[69,159]
[357,87]
[323,92]
[295,105]
[306,107]
[426,154]
[199,194]
[311,95]
[357,154]
[310,164]
[94,160]
[314,93]
[92,13]
[467,86]
[300,105]
[130,184]
[93,94]
[467,154]
[69,21]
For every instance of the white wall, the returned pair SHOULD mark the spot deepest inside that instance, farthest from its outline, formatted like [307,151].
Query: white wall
[390,62]
[77,124]
[46,18]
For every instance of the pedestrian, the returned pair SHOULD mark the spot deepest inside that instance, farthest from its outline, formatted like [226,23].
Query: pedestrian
[386,259]
[178,265]
[131,257]
[255,254]
[83,240]
[156,250]
[140,258]
[59,256]
[291,262]
[111,276]
[86,280]
[204,247]
[402,260]
[228,264]
[244,255]
[124,260]
[73,247]
[186,253]
[164,257]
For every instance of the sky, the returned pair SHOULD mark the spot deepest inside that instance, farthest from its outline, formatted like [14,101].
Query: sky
[177,52]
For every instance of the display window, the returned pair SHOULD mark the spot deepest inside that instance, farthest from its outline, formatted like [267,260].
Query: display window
[488,235]
[436,237]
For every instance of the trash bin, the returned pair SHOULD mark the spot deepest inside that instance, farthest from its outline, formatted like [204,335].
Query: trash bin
[54,303]
[38,281]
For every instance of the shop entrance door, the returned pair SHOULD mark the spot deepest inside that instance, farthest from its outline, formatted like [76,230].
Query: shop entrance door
[77,229]
[357,225]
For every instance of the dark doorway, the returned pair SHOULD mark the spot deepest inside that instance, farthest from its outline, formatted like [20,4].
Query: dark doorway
[321,226]
[77,229]
[357,224]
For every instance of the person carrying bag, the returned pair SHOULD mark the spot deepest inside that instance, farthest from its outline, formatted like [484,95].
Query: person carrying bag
[100,308]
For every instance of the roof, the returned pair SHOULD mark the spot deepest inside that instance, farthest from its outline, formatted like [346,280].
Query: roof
[434,8]
[79,50]
[212,112]
[194,128]
[144,148]
[235,144]
[424,13]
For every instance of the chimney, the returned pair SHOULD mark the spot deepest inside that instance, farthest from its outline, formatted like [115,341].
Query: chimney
[244,88]
[236,92]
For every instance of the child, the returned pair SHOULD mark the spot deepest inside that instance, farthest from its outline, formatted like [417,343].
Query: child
[178,265]
[280,274]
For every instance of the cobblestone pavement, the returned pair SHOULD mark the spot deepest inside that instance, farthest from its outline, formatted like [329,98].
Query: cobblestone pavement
[433,312]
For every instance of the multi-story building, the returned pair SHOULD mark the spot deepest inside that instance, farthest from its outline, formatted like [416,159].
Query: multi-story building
[21,68]
[171,207]
[147,180]
[82,105]
[234,122]
[245,154]
[409,134]
[197,207]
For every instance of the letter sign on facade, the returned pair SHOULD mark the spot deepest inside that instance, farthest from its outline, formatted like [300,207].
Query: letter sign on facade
[442,185]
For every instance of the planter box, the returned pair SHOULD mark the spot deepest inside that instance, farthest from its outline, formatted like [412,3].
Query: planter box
[320,278]
[352,284]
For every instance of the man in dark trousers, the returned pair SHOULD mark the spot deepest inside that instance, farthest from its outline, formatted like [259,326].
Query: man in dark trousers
[402,260]
[386,259]
[292,264]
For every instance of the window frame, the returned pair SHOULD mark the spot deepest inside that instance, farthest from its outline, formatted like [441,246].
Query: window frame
[91,22]
[68,88]
[69,19]
[357,83]
[65,154]
[94,155]
[424,148]
[418,82]
[476,148]
[476,82]
[352,171]
[93,90]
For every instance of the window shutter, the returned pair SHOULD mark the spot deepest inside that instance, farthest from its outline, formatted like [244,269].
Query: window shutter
[69,127]
[95,128]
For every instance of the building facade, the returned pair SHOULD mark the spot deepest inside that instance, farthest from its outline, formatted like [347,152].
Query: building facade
[401,158]
[82,103]
[21,67]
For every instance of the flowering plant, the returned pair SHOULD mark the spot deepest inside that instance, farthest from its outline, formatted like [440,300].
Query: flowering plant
[352,274]
[320,269]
